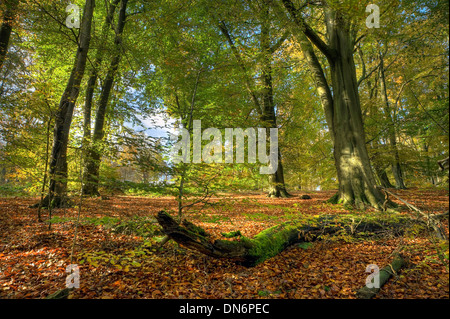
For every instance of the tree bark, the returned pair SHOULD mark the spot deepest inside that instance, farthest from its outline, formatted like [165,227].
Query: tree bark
[265,105]
[341,105]
[356,181]
[92,172]
[58,162]
[277,187]
[6,28]
[382,176]
[268,243]
[396,167]
[92,81]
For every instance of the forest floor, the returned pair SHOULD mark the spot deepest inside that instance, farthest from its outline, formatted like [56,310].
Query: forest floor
[116,255]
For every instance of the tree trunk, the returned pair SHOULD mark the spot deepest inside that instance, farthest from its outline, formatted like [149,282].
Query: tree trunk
[58,163]
[396,167]
[266,107]
[356,181]
[92,172]
[268,243]
[87,189]
[382,176]
[2,175]
[277,187]
[428,164]
[341,105]
[6,28]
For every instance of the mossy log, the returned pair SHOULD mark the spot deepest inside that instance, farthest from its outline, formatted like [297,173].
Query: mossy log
[387,272]
[60,294]
[268,243]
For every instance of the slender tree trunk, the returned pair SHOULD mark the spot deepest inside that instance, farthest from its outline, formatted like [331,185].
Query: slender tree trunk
[89,187]
[44,182]
[2,175]
[384,179]
[277,186]
[266,107]
[94,72]
[92,173]
[429,172]
[6,28]
[58,161]
[396,167]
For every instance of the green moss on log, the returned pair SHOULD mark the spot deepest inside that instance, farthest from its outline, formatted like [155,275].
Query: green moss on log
[232,234]
[272,241]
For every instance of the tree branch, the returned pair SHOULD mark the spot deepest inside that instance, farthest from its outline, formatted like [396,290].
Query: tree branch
[280,41]
[308,31]
[223,28]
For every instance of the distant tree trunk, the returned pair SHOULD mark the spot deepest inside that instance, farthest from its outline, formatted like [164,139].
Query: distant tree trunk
[277,187]
[341,105]
[384,179]
[58,161]
[266,109]
[2,175]
[6,28]
[428,165]
[396,167]
[95,150]
[92,81]
[380,167]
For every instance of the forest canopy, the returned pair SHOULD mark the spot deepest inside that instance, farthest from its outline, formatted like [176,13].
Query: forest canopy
[148,69]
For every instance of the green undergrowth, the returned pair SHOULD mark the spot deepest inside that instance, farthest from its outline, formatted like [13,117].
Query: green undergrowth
[138,226]
[124,261]
[264,245]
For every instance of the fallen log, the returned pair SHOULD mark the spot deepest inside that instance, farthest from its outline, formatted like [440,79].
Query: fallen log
[387,272]
[431,220]
[268,243]
[60,294]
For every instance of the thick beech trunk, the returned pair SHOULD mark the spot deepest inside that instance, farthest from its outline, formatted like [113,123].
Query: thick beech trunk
[270,242]
[341,104]
[356,181]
